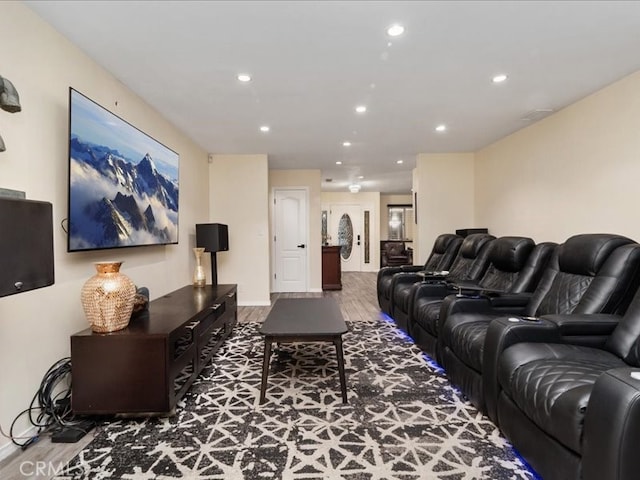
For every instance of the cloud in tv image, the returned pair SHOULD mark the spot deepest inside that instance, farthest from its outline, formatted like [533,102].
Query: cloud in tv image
[123,184]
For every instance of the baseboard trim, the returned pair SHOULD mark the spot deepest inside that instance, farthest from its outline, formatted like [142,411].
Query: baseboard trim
[260,303]
[9,448]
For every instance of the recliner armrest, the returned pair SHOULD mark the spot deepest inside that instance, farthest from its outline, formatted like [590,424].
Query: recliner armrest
[403,278]
[434,290]
[387,271]
[428,276]
[412,268]
[489,304]
[501,334]
[611,435]
[514,302]
[597,324]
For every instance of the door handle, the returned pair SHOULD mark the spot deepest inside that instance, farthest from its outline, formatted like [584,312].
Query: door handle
[301,245]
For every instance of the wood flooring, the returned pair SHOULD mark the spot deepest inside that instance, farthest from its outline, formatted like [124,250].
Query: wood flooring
[42,460]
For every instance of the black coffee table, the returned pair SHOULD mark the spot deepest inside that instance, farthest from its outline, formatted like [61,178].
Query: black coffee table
[303,320]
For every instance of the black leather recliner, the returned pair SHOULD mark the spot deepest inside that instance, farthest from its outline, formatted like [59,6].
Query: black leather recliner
[566,389]
[469,266]
[444,251]
[515,266]
[590,273]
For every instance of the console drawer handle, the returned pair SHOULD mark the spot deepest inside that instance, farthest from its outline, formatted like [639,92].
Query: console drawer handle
[216,306]
[231,295]
[193,325]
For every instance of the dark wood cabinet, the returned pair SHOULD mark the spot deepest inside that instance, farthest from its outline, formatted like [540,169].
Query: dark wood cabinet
[148,366]
[331,268]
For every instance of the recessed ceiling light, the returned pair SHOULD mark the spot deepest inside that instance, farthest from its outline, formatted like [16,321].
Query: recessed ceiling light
[264,128]
[395,30]
[346,144]
[338,162]
[243,77]
[361,109]
[354,188]
[499,78]
[399,162]
[441,128]
[360,177]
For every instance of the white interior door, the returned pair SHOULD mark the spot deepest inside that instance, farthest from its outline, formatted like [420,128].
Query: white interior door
[346,231]
[290,240]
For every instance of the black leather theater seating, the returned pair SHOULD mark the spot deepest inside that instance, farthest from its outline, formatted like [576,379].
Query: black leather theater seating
[591,273]
[515,266]
[445,249]
[469,266]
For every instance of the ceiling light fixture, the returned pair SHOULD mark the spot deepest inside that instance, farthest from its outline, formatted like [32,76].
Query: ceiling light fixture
[361,109]
[354,188]
[441,128]
[360,177]
[399,162]
[346,144]
[395,30]
[264,128]
[243,77]
[338,162]
[499,78]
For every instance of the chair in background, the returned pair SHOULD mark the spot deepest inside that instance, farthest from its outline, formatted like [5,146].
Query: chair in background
[394,254]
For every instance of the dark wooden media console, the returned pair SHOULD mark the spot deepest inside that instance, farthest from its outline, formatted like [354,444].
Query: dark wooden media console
[148,366]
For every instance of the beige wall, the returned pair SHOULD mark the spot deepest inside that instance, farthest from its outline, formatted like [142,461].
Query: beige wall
[574,172]
[311,180]
[35,326]
[445,186]
[368,201]
[238,196]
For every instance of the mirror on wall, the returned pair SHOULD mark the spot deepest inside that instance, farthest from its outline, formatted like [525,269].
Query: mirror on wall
[400,225]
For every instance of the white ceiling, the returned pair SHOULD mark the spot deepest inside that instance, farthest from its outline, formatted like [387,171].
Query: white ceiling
[312,62]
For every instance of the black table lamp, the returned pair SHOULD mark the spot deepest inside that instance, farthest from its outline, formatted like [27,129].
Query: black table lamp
[213,237]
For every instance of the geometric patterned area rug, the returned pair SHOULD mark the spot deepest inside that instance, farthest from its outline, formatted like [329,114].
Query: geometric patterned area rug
[403,420]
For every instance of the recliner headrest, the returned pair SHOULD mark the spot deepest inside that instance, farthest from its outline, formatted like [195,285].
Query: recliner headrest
[509,254]
[473,243]
[584,254]
[443,241]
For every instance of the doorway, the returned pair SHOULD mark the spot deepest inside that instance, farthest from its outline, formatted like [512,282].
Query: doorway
[290,240]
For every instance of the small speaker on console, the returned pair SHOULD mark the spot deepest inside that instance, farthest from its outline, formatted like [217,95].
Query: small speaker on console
[213,237]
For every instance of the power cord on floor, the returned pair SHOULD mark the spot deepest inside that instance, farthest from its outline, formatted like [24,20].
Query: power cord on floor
[53,409]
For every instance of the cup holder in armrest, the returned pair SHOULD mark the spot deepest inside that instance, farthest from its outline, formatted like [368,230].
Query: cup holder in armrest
[431,276]
[524,319]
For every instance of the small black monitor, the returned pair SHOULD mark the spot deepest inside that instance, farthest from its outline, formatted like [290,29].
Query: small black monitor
[26,245]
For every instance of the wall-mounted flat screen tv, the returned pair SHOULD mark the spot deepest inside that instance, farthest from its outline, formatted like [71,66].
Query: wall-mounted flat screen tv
[123,184]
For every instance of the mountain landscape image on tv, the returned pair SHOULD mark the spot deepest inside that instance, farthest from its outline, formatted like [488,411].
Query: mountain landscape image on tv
[123,184]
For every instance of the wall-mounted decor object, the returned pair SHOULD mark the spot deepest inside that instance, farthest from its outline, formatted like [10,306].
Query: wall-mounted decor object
[9,101]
